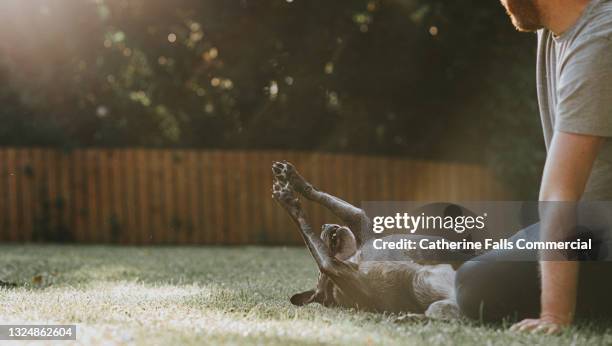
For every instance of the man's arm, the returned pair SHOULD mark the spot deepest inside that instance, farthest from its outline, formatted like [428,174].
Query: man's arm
[567,170]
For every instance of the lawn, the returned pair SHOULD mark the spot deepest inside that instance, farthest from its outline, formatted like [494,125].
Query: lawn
[204,295]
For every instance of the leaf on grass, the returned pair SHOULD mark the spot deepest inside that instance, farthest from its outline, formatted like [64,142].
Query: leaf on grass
[37,280]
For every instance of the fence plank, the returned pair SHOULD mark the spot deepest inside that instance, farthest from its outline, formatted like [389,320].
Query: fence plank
[247,189]
[13,201]
[206,233]
[181,195]
[143,195]
[220,182]
[93,194]
[79,204]
[156,204]
[129,183]
[191,187]
[28,197]
[105,196]
[4,236]
[169,219]
[118,201]
[52,168]
[264,161]
[65,197]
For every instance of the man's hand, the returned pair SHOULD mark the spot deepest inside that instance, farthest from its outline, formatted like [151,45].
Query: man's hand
[548,325]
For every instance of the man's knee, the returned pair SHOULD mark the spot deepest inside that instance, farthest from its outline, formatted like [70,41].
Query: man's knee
[491,290]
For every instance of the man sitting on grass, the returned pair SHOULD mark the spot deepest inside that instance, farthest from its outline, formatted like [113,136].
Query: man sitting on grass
[574,80]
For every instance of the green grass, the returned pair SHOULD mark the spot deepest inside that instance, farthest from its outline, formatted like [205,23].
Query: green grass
[203,295]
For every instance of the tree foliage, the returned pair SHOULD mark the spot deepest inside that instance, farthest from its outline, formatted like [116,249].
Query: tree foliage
[435,79]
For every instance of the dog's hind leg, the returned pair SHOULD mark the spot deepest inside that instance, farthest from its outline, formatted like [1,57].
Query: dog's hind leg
[355,217]
[443,310]
[433,288]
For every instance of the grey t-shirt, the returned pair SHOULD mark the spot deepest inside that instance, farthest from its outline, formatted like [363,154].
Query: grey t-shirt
[574,79]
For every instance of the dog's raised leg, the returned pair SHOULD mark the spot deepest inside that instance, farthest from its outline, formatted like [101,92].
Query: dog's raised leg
[284,194]
[343,274]
[353,216]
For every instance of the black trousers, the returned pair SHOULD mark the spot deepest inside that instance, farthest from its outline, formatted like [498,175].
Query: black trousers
[496,285]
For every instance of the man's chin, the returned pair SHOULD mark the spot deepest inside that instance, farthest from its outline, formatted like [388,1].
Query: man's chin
[526,27]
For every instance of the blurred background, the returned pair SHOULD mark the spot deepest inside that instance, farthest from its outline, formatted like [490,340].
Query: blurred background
[156,122]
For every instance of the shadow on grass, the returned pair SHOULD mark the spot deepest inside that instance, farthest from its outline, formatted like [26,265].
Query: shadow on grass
[7,285]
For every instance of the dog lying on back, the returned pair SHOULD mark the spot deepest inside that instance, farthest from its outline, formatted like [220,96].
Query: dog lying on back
[346,280]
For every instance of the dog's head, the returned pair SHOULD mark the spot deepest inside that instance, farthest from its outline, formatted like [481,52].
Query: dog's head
[340,240]
[342,245]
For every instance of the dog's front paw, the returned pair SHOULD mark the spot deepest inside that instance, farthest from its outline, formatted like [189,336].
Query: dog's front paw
[285,172]
[281,170]
[284,194]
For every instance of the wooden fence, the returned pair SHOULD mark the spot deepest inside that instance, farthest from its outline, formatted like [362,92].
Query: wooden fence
[140,196]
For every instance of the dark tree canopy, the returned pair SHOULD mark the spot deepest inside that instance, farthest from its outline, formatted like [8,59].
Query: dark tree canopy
[435,79]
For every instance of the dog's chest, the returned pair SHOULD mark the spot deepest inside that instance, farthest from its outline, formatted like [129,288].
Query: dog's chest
[390,285]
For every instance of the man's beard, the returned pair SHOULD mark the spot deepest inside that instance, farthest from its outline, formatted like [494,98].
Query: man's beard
[525,14]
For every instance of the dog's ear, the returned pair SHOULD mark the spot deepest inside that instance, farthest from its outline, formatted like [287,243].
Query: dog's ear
[346,245]
[303,298]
